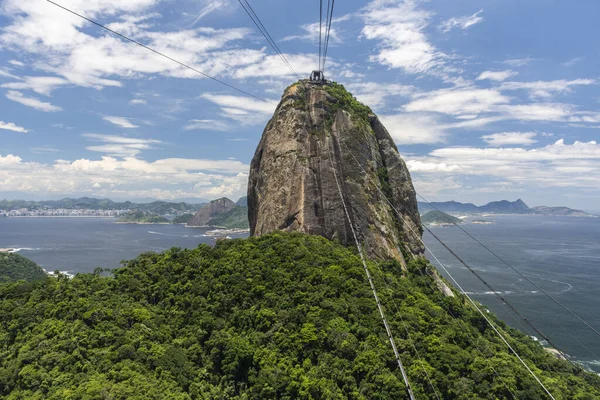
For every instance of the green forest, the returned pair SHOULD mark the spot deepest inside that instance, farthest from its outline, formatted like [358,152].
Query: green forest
[282,316]
[14,267]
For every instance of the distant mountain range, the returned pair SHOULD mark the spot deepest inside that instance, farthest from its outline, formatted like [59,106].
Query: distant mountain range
[156,207]
[499,207]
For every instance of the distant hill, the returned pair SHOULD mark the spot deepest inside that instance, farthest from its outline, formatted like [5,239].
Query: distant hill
[439,218]
[499,207]
[182,219]
[158,207]
[141,217]
[14,267]
[221,213]
[242,201]
[544,210]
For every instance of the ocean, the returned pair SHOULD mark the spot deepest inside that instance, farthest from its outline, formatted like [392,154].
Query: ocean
[560,254]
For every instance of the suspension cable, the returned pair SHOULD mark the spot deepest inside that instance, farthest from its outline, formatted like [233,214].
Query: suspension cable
[368,273]
[159,53]
[496,293]
[457,284]
[250,11]
[328,34]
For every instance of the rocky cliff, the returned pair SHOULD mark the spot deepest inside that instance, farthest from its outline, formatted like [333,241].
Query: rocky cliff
[317,134]
[216,207]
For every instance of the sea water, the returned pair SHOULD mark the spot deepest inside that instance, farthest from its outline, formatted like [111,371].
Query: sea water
[560,254]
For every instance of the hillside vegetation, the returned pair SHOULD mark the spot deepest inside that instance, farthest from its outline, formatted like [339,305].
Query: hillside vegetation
[439,218]
[14,267]
[141,217]
[281,316]
[234,219]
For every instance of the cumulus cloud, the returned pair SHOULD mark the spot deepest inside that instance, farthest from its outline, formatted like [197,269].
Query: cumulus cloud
[374,94]
[31,102]
[130,177]
[548,169]
[399,27]
[414,128]
[120,121]
[496,75]
[9,126]
[510,138]
[461,22]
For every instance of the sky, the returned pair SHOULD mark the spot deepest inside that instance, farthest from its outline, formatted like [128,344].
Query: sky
[486,99]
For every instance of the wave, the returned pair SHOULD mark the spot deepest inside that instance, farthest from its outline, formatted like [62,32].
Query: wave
[167,234]
[18,249]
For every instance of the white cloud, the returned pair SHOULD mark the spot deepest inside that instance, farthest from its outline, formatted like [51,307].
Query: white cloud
[311,32]
[518,62]
[16,63]
[461,22]
[496,75]
[31,102]
[209,7]
[206,124]
[464,100]
[138,101]
[40,84]
[546,88]
[413,128]
[399,27]
[126,178]
[12,127]
[119,146]
[120,121]
[420,166]
[243,109]
[510,138]
[547,169]
[374,94]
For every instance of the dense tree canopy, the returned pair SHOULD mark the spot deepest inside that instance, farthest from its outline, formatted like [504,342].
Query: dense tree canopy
[14,267]
[281,316]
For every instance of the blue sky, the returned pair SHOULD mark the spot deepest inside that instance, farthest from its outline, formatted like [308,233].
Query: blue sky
[486,99]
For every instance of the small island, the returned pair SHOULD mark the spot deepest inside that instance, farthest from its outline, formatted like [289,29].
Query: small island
[141,217]
[439,218]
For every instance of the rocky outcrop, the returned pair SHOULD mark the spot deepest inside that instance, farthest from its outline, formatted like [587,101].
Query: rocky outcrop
[207,213]
[320,147]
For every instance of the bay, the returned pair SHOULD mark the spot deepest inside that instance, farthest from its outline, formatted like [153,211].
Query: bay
[560,254]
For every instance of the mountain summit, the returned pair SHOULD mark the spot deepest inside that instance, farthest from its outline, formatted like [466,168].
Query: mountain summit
[320,133]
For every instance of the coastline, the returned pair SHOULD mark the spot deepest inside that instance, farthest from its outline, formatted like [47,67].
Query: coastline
[60,216]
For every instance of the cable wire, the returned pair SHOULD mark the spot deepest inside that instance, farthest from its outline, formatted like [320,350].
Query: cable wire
[368,273]
[457,284]
[328,34]
[516,270]
[159,53]
[320,28]
[489,287]
[250,11]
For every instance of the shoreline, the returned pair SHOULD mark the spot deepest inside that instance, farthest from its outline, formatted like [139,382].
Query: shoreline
[59,216]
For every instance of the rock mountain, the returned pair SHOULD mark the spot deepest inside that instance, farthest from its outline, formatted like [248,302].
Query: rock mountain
[206,214]
[317,133]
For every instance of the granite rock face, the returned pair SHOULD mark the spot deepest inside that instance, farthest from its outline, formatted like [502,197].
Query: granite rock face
[320,147]
[210,211]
